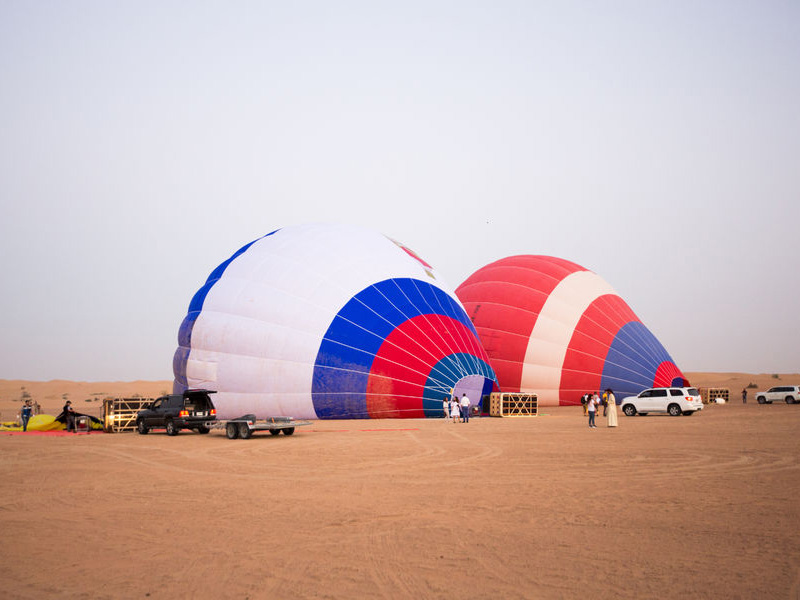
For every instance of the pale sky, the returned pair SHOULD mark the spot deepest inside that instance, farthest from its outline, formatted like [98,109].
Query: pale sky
[142,143]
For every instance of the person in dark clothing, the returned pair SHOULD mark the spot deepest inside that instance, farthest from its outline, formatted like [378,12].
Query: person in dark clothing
[744,395]
[26,414]
[69,414]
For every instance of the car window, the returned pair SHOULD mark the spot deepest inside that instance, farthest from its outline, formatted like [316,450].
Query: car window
[646,394]
[694,392]
[157,403]
[675,392]
[659,393]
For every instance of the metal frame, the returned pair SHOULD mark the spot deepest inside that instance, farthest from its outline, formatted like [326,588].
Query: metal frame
[709,394]
[513,404]
[119,414]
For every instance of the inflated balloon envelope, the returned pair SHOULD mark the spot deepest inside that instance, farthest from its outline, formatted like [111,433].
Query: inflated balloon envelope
[329,321]
[556,329]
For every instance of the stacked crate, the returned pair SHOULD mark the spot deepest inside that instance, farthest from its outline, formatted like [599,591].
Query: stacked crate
[513,404]
[710,394]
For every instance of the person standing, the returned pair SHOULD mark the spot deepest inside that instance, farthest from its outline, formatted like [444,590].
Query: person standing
[584,403]
[591,408]
[69,414]
[744,395]
[27,413]
[605,403]
[455,410]
[611,403]
[465,408]
[446,407]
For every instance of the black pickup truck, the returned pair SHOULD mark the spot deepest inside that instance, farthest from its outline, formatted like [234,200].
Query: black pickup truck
[191,410]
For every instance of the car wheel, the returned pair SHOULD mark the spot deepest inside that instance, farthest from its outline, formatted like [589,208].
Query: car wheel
[274,431]
[761,400]
[171,428]
[789,400]
[203,429]
[288,431]
[244,431]
[629,410]
[141,427]
[674,410]
[232,431]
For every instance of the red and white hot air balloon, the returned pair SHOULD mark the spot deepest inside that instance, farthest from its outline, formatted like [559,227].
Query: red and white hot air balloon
[559,330]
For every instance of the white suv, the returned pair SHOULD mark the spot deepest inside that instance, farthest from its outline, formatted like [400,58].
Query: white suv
[789,393]
[675,401]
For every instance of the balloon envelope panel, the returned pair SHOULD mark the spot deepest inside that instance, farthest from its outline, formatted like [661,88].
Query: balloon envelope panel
[327,321]
[557,329]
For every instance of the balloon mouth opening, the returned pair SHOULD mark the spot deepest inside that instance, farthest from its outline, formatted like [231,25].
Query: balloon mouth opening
[476,388]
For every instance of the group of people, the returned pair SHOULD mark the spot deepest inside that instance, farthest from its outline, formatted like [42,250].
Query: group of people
[591,404]
[456,409]
[29,409]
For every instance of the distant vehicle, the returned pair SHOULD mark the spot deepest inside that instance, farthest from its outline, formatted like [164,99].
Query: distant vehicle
[675,401]
[191,410]
[788,393]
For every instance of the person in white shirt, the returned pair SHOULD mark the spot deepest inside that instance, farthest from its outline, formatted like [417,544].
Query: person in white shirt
[592,408]
[455,410]
[465,408]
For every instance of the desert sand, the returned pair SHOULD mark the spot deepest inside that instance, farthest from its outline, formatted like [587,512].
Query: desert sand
[661,507]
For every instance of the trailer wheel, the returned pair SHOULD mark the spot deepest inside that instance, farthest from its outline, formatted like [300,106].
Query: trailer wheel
[244,431]
[203,429]
[288,431]
[232,431]
[274,431]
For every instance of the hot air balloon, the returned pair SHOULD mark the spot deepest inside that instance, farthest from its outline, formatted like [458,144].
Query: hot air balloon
[559,330]
[330,322]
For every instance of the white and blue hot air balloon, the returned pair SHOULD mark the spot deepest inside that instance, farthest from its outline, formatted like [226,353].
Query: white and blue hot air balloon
[329,321]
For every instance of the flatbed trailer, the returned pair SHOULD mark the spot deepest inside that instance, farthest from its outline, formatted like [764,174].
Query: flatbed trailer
[244,427]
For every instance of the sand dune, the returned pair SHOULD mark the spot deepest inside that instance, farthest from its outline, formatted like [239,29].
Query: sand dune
[87,396]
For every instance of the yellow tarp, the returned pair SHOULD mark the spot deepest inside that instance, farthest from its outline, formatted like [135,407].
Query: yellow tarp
[42,423]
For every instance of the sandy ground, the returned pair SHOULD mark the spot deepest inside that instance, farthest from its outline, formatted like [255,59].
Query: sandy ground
[705,506]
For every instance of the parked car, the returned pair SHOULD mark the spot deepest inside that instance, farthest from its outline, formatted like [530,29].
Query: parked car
[675,401]
[788,393]
[191,410]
